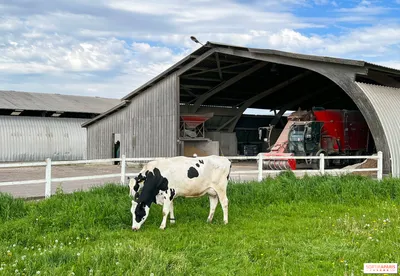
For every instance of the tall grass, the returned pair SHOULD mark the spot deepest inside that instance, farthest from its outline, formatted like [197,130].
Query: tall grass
[319,225]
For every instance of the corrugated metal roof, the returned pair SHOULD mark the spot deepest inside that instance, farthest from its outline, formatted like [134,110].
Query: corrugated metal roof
[386,102]
[55,102]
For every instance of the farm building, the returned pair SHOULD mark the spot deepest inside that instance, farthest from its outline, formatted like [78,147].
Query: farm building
[197,105]
[36,126]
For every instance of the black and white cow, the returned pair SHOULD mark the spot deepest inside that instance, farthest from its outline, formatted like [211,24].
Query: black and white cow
[161,181]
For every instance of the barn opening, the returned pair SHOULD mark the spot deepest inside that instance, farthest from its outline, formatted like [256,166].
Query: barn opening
[228,105]
[202,104]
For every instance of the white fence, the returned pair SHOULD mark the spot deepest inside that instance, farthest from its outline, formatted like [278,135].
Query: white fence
[260,158]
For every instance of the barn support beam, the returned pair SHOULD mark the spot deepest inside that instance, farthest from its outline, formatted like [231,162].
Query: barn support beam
[294,103]
[199,79]
[222,68]
[261,95]
[219,66]
[196,61]
[226,84]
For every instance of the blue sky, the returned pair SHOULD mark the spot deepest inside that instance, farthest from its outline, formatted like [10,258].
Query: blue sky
[108,48]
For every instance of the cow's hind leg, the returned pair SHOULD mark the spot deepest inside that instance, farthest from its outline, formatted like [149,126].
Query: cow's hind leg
[166,209]
[223,199]
[213,206]
[171,213]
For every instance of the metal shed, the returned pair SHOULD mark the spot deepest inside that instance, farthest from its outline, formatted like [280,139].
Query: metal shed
[36,126]
[226,80]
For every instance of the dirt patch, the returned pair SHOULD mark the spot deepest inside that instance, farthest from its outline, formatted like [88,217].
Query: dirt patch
[367,164]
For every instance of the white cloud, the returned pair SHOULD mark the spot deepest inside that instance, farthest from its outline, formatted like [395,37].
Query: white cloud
[108,48]
[365,8]
[391,64]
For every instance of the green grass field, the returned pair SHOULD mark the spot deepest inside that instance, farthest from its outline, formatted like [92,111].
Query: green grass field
[285,226]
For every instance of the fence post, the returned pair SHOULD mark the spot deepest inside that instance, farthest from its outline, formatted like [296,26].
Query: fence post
[47,189]
[322,163]
[260,166]
[123,169]
[379,175]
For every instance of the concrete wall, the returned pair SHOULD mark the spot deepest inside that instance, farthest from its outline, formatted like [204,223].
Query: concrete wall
[227,142]
[201,148]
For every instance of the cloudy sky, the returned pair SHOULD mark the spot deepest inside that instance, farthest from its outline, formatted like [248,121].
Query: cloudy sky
[108,48]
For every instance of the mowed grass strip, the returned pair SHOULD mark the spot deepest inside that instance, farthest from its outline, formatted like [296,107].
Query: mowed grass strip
[320,225]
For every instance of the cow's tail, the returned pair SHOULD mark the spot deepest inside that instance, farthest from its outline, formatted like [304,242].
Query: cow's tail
[229,171]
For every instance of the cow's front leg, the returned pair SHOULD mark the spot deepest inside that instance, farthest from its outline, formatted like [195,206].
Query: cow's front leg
[171,213]
[166,209]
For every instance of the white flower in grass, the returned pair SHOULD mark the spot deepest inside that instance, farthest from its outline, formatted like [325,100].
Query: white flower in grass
[56,241]
[14,245]
[78,254]
[1,268]
[117,263]
[87,238]
[37,272]
[23,257]
[14,265]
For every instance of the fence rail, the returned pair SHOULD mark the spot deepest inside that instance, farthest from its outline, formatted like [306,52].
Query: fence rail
[123,160]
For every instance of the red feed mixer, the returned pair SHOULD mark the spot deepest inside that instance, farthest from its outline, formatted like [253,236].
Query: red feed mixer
[309,133]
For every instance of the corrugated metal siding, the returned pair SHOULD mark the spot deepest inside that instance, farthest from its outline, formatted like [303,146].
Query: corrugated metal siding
[148,125]
[37,138]
[100,139]
[386,102]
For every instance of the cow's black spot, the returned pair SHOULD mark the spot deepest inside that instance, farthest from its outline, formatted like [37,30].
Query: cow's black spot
[136,187]
[197,165]
[154,183]
[171,197]
[192,172]
[140,212]
[201,161]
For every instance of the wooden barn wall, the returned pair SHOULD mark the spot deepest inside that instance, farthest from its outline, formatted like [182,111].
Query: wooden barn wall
[148,125]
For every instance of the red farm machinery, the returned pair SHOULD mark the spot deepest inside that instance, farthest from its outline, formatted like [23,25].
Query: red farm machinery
[310,133]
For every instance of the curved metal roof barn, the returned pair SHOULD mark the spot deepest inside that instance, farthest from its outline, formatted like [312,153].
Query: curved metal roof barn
[36,126]
[226,80]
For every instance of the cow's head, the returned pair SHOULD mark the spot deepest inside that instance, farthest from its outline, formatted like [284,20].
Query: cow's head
[154,182]
[136,185]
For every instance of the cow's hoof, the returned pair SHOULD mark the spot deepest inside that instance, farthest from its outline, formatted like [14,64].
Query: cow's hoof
[172,221]
[225,222]
[162,227]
